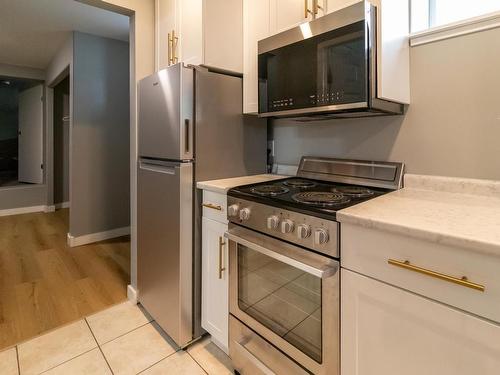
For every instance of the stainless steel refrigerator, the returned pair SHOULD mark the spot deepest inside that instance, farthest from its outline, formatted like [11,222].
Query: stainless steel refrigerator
[191,128]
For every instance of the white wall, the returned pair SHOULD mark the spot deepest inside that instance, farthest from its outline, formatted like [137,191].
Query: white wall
[452,127]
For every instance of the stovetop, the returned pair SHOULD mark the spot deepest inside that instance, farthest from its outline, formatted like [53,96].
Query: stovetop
[312,197]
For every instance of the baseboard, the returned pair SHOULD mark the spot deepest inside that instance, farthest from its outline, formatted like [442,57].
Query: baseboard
[23,210]
[96,237]
[132,294]
[58,206]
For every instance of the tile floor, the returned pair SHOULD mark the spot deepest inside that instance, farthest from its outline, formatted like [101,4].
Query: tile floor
[120,340]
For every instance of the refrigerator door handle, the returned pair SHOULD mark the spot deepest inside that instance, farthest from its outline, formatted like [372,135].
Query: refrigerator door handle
[187,138]
[157,168]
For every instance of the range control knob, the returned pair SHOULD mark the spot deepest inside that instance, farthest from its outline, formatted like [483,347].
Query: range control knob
[232,210]
[245,214]
[273,222]
[321,236]
[303,231]
[287,226]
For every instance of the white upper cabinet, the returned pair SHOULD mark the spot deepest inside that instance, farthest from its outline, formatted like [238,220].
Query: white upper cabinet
[208,32]
[256,26]
[329,6]
[285,14]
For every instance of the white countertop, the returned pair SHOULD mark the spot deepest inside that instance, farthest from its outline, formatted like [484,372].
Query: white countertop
[457,212]
[222,186]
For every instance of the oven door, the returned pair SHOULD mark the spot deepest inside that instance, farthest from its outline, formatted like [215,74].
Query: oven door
[287,295]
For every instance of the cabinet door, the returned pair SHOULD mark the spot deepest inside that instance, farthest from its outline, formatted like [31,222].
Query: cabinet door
[214,289]
[166,22]
[389,331]
[223,34]
[285,14]
[329,6]
[190,44]
[256,26]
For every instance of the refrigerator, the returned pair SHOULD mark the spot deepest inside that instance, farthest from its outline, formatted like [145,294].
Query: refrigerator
[190,128]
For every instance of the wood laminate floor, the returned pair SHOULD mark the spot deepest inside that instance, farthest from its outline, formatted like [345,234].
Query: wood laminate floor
[45,284]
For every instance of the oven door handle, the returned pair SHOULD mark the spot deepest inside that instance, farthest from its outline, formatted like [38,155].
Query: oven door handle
[322,273]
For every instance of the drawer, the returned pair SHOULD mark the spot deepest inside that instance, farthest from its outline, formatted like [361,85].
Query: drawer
[252,355]
[215,206]
[431,269]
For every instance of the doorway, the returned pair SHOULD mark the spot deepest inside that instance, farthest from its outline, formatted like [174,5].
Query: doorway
[61,116]
[21,131]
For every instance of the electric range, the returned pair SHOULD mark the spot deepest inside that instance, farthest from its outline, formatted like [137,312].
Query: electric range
[284,266]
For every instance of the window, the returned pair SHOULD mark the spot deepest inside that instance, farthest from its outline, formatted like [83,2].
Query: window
[427,14]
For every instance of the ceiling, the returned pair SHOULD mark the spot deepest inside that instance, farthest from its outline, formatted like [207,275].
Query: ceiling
[32,31]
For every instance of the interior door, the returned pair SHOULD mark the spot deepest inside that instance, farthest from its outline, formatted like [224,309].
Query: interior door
[30,154]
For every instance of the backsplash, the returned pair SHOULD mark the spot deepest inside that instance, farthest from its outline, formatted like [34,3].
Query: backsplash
[451,128]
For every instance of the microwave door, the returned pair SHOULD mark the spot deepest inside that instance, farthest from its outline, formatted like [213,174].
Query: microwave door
[342,70]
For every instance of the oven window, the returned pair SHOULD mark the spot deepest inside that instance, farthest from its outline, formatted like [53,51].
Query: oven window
[328,69]
[283,298]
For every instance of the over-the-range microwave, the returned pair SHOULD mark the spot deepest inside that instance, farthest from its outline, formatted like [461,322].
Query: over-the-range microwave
[350,63]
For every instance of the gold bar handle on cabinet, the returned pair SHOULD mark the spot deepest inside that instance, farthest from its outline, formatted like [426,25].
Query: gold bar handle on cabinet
[170,48]
[441,276]
[306,9]
[221,252]
[175,39]
[212,206]
[317,7]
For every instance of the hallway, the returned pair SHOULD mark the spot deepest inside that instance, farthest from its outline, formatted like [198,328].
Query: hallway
[45,284]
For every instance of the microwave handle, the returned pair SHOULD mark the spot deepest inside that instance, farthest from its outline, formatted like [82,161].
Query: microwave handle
[321,273]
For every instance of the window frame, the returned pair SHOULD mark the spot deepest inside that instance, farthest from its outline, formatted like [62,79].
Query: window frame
[463,27]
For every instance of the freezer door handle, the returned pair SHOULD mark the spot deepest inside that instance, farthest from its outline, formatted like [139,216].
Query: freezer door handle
[187,132]
[157,168]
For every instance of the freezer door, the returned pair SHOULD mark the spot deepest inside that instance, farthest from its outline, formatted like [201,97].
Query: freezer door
[164,247]
[166,114]
[228,143]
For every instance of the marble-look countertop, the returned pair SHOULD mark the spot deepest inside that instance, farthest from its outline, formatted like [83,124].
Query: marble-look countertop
[457,212]
[222,186]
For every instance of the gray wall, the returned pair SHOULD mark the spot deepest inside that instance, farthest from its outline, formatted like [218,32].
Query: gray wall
[61,142]
[452,127]
[99,161]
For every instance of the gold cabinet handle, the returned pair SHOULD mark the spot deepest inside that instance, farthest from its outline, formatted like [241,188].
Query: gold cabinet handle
[212,206]
[317,7]
[172,47]
[441,276]
[170,44]
[306,9]
[221,254]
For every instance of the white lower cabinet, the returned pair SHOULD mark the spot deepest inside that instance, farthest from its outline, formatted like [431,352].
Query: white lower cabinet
[389,331]
[215,287]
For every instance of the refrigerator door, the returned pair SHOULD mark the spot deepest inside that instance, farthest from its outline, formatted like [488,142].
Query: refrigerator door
[165,248]
[166,114]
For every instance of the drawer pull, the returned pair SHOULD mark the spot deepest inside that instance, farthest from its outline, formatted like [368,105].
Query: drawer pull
[460,281]
[212,206]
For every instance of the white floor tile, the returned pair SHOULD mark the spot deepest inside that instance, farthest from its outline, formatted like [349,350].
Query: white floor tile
[116,321]
[138,350]
[90,363]
[8,362]
[179,363]
[54,348]
[213,360]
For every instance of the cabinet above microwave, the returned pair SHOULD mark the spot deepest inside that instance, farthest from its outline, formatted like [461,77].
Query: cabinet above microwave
[353,62]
